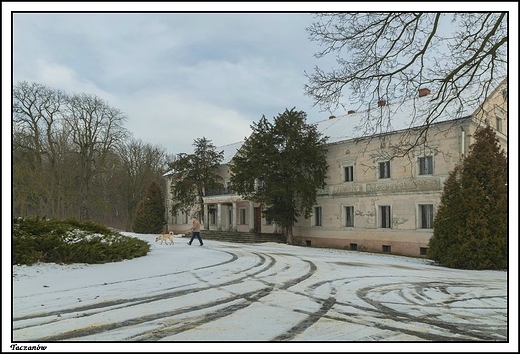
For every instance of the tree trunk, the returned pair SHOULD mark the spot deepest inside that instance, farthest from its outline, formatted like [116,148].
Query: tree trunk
[289,233]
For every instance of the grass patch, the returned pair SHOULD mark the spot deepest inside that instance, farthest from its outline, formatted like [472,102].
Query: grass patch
[71,241]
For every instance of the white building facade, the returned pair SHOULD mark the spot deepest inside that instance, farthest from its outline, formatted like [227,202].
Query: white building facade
[378,196]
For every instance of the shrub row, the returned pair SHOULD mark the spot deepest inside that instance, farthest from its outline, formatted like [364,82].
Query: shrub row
[71,241]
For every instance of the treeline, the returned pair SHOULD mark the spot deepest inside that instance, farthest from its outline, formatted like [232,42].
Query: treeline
[73,157]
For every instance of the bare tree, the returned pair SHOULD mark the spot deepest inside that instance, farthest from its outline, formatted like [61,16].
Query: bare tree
[139,165]
[389,56]
[95,129]
[37,116]
[73,158]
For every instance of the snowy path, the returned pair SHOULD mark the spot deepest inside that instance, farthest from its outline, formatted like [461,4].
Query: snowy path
[258,292]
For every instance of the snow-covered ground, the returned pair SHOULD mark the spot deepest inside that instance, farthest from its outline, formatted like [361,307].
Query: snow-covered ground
[261,297]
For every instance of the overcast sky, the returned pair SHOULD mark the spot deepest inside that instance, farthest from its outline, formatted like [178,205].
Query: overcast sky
[176,76]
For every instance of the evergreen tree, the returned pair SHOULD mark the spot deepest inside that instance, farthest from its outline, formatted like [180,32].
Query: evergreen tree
[281,166]
[149,217]
[194,174]
[470,227]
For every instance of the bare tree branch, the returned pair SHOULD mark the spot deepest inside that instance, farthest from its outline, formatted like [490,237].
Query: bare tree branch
[391,55]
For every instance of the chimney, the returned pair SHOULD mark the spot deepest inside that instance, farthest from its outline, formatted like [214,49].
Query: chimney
[424,92]
[351,112]
[332,117]
[381,103]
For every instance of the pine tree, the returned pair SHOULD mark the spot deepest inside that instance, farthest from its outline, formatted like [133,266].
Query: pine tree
[281,166]
[470,228]
[149,217]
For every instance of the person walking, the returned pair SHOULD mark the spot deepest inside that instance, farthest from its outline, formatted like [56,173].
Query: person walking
[196,230]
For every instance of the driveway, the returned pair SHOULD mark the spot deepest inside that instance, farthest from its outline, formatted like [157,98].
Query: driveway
[258,292]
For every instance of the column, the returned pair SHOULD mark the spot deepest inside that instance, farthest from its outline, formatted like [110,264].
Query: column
[219,216]
[206,217]
[251,216]
[234,216]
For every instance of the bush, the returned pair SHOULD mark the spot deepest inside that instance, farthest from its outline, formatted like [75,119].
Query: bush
[470,227]
[71,241]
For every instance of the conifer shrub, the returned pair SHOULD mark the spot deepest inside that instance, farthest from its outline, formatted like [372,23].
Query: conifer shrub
[149,217]
[470,226]
[71,241]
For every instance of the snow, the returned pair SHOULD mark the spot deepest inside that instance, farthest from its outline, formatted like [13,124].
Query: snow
[259,297]
[393,117]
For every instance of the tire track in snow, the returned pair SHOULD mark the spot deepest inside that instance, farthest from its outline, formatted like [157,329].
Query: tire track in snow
[459,328]
[247,298]
[389,306]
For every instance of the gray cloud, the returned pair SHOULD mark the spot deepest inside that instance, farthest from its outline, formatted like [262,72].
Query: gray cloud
[177,76]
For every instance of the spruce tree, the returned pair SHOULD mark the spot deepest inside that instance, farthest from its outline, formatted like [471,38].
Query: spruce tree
[149,217]
[470,227]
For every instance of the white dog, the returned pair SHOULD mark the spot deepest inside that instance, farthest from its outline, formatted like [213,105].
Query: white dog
[165,237]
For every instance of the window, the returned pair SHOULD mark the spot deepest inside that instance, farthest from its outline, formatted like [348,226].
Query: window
[212,217]
[499,124]
[353,247]
[387,249]
[384,169]
[426,165]
[317,216]
[242,213]
[426,216]
[349,173]
[349,216]
[423,251]
[500,113]
[385,217]
[228,187]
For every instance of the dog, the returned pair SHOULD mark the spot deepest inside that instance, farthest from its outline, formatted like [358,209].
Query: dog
[165,237]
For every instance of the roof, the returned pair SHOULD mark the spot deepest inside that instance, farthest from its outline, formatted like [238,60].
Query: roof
[229,151]
[408,114]
[392,117]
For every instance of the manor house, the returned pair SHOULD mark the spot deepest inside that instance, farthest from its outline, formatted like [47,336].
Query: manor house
[382,192]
